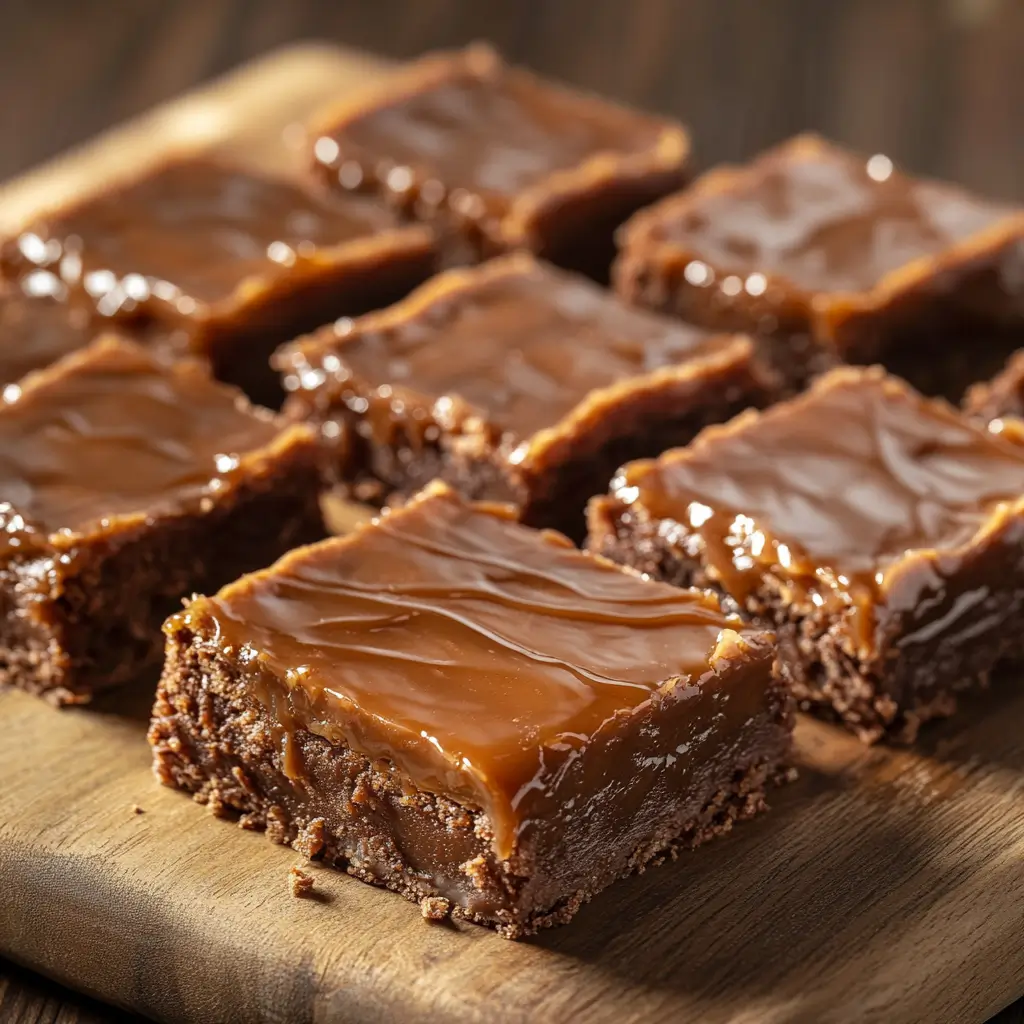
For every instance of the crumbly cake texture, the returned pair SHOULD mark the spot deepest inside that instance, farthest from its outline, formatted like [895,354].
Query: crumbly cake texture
[877,532]
[513,381]
[498,159]
[692,757]
[117,510]
[231,262]
[823,247]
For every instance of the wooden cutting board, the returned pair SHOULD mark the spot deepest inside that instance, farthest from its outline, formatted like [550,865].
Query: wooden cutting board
[883,886]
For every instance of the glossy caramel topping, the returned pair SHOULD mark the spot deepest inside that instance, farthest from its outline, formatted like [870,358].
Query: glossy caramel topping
[829,490]
[110,431]
[462,647]
[37,331]
[188,234]
[487,129]
[517,340]
[823,218]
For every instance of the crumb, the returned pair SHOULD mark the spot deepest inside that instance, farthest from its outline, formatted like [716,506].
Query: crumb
[435,908]
[301,883]
[136,809]
[216,806]
[277,825]
[476,869]
[310,840]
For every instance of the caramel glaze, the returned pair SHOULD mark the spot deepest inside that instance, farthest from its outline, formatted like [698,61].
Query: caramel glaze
[37,330]
[832,495]
[825,219]
[111,431]
[480,135]
[480,658]
[514,342]
[186,236]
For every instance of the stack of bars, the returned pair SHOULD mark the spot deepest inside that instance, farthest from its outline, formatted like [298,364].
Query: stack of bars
[455,701]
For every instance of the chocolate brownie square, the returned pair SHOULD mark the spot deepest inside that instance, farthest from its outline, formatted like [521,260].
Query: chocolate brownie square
[127,485]
[811,241]
[502,159]
[879,533]
[512,381]
[235,261]
[456,707]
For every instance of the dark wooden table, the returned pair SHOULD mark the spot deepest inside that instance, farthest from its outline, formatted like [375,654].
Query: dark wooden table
[934,83]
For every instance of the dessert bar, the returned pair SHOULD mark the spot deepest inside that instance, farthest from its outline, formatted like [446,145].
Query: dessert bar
[512,381]
[126,486]
[460,708]
[812,242]
[236,262]
[500,159]
[879,533]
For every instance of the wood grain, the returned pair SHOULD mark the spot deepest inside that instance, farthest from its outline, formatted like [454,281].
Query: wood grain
[28,999]
[885,885]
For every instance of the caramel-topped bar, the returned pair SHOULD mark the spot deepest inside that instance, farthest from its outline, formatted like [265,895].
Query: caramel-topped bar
[450,704]
[879,532]
[813,240]
[514,381]
[503,159]
[128,485]
[236,261]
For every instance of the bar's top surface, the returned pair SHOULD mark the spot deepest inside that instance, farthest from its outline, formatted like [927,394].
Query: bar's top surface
[461,646]
[476,124]
[517,340]
[826,219]
[36,331]
[834,486]
[190,232]
[110,431]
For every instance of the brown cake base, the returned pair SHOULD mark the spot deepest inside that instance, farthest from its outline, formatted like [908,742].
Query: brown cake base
[212,739]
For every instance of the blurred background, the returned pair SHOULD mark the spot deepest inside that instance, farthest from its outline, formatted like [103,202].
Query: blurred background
[937,84]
